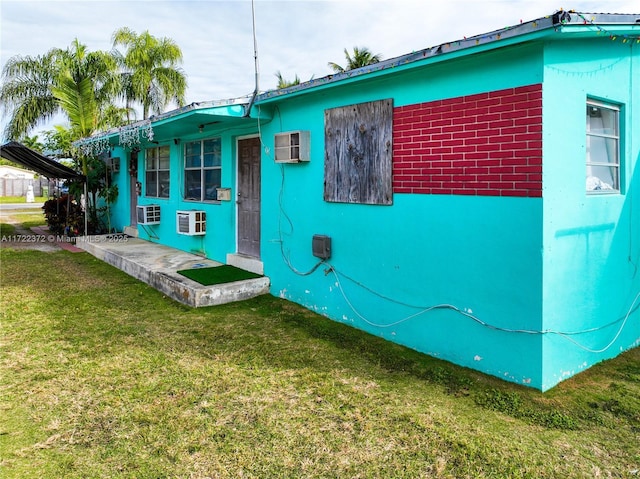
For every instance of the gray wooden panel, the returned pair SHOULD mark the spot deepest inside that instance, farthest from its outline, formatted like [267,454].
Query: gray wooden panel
[358,153]
[249,197]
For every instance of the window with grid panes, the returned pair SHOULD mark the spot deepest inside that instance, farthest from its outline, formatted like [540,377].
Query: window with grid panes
[202,169]
[603,147]
[157,172]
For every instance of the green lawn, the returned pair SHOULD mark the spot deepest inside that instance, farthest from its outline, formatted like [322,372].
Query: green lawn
[27,218]
[20,199]
[104,377]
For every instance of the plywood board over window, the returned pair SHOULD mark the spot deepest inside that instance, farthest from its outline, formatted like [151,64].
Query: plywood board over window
[358,153]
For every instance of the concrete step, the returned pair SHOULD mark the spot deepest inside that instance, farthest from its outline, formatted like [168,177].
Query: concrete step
[158,266]
[131,231]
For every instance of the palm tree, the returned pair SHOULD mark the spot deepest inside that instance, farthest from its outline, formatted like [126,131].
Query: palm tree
[25,94]
[74,82]
[113,116]
[150,72]
[282,83]
[85,85]
[78,83]
[77,99]
[59,143]
[32,142]
[361,58]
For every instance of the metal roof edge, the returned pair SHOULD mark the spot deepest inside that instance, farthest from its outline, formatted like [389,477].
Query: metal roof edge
[170,115]
[559,21]
[203,105]
[36,161]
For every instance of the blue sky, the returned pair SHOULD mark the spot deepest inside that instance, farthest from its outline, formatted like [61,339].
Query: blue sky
[294,37]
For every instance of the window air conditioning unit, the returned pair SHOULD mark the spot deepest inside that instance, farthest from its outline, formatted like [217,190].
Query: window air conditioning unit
[191,222]
[292,147]
[148,214]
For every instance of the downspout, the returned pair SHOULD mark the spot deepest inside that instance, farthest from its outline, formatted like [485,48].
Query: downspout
[247,110]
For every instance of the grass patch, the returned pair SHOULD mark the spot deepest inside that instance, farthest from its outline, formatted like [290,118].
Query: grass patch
[26,218]
[20,199]
[217,274]
[512,404]
[103,376]
[30,219]
[7,229]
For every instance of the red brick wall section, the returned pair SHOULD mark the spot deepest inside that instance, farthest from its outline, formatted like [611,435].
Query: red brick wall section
[489,144]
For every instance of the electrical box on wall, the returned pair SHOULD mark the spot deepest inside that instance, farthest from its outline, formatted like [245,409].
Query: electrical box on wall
[292,147]
[223,194]
[321,246]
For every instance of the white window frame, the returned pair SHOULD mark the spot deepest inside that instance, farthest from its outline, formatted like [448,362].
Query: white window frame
[609,143]
[154,154]
[202,169]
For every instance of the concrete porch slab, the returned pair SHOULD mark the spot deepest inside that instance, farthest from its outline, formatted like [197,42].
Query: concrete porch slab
[158,266]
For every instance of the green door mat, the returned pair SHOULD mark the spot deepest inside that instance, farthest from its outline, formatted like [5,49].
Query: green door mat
[218,274]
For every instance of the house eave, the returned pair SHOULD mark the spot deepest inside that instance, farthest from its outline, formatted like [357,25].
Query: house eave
[191,119]
[582,24]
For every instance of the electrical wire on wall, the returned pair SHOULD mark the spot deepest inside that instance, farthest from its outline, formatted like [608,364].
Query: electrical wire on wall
[282,214]
[635,305]
[424,309]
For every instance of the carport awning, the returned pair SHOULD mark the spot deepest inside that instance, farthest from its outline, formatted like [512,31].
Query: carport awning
[37,162]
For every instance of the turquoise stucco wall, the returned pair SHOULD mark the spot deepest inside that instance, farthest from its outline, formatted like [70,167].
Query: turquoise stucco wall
[564,262]
[119,211]
[220,237]
[591,242]
[481,255]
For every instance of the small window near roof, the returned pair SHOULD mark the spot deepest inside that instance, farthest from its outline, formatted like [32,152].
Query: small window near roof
[603,147]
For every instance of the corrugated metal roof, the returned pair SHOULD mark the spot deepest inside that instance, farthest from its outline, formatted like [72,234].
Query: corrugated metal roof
[18,153]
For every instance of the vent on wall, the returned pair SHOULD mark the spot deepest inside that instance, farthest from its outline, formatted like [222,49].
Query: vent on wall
[148,214]
[191,222]
[292,147]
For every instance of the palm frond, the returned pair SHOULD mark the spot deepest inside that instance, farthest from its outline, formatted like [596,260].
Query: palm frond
[361,57]
[77,99]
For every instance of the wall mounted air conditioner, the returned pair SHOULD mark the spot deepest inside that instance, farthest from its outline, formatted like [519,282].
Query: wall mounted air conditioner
[292,147]
[191,222]
[148,214]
